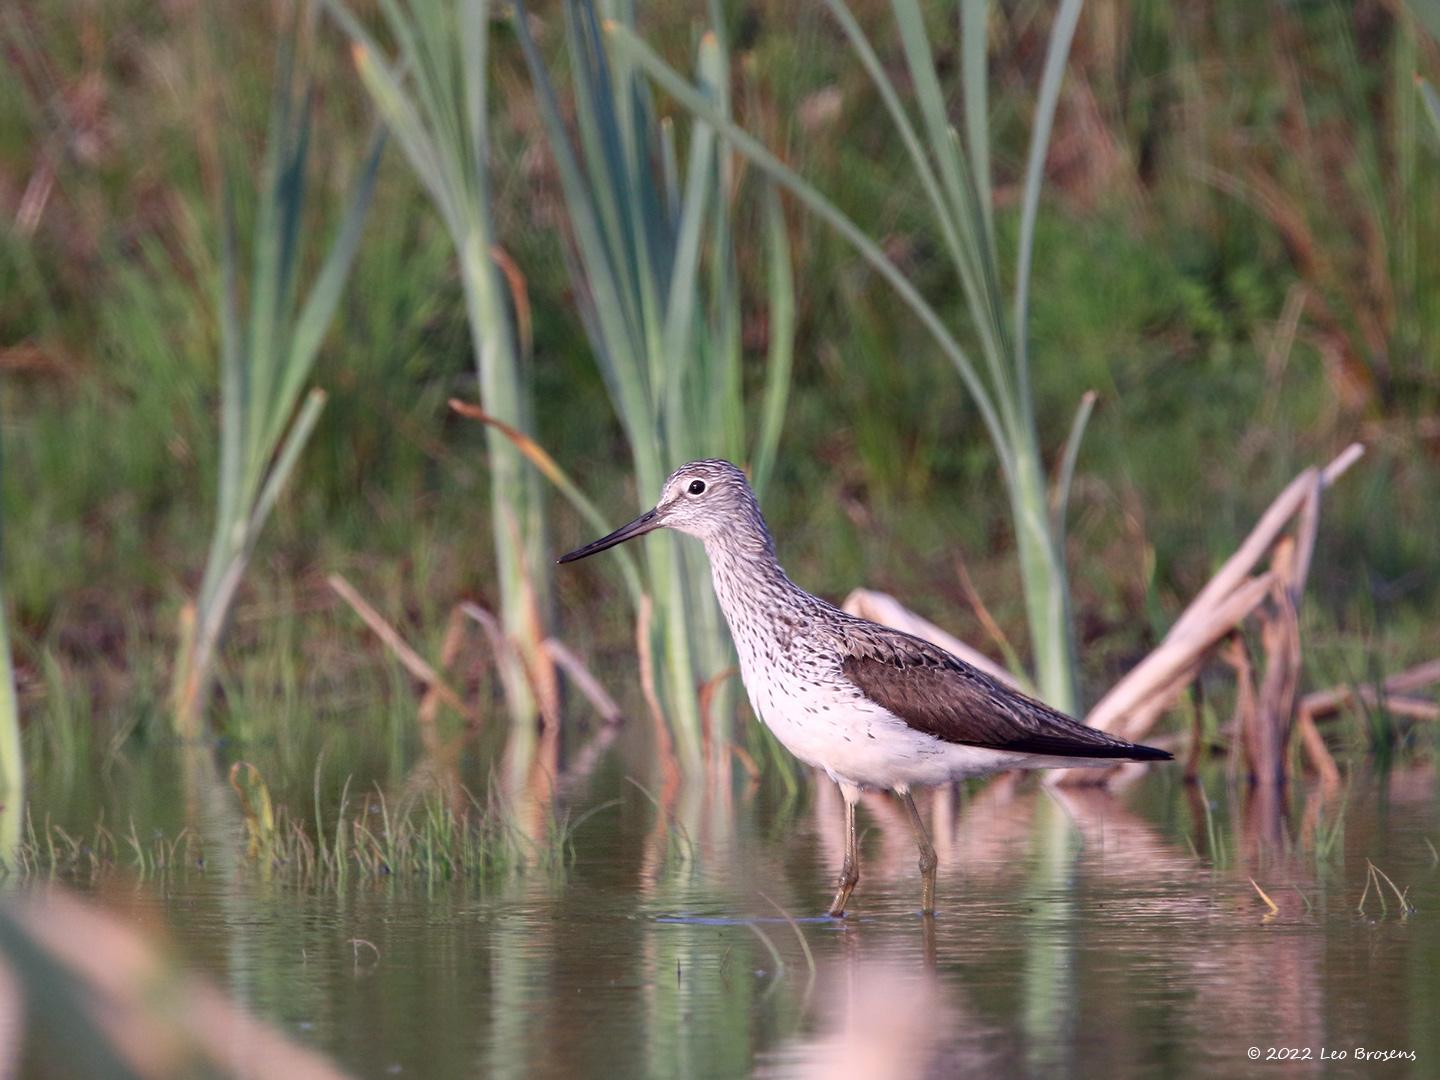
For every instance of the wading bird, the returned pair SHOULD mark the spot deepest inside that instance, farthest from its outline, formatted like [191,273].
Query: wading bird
[872,706]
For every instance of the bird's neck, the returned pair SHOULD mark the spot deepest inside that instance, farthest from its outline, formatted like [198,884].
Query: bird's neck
[748,577]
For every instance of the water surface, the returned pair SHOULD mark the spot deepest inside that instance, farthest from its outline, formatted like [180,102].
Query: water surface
[1077,933]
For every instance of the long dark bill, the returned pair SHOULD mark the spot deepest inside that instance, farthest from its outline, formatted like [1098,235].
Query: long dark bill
[646,522]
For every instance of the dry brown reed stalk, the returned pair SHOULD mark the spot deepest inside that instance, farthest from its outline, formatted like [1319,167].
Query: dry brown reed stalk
[1274,907]
[390,637]
[706,697]
[1133,705]
[752,770]
[1390,695]
[1267,736]
[1394,695]
[528,641]
[126,1008]
[584,680]
[1393,692]
[519,295]
[1242,723]
[1318,754]
[1229,597]
[582,764]
[560,658]
[450,645]
[987,621]
[508,657]
[1169,667]
[664,744]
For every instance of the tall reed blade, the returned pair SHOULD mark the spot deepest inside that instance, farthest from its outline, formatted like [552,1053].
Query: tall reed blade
[433,95]
[954,174]
[655,269]
[265,362]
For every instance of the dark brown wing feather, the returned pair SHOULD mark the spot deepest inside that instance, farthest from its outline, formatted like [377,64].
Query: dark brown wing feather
[941,695]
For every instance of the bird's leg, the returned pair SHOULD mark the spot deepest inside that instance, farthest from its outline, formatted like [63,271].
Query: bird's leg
[850,871]
[928,861]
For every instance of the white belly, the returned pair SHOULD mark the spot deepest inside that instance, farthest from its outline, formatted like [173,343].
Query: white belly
[832,727]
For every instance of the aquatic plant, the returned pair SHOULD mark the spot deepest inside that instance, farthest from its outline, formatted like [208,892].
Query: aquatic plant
[420,839]
[654,268]
[954,172]
[265,361]
[434,97]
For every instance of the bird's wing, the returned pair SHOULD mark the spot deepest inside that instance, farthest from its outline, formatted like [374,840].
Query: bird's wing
[941,695]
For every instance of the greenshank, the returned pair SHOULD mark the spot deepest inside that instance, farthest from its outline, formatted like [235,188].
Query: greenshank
[872,706]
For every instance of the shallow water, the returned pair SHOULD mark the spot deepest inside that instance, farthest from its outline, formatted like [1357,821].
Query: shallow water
[1077,934]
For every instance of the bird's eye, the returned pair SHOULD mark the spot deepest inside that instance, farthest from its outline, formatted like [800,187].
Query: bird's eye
[697,487]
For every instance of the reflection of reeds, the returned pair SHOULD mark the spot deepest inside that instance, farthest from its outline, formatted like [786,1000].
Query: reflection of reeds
[265,361]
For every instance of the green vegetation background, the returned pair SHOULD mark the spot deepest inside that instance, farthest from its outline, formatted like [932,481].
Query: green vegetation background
[1237,252]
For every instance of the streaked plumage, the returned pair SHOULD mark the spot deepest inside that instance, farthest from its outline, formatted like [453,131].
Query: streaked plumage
[872,706]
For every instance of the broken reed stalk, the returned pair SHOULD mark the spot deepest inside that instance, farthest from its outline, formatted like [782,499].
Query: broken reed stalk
[1392,693]
[1324,704]
[664,744]
[1136,696]
[1319,754]
[510,659]
[450,645]
[1274,714]
[1230,596]
[409,659]
[1242,723]
[584,680]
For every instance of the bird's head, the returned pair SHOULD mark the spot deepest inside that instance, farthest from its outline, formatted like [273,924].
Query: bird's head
[708,499]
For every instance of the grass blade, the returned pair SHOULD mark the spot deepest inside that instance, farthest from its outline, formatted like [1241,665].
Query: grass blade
[1060,496]
[1432,105]
[1058,51]
[538,456]
[319,308]
[974,74]
[675,85]
[781,344]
